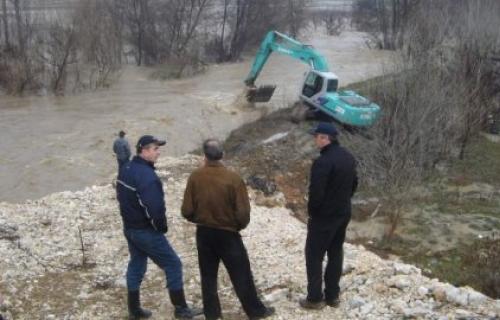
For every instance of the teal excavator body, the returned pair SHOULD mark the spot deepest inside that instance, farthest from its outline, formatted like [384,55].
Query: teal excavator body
[319,89]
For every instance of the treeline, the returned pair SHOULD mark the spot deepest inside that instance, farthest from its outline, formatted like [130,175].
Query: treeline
[436,95]
[81,48]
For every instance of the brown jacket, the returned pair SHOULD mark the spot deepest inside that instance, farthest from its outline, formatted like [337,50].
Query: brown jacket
[216,197]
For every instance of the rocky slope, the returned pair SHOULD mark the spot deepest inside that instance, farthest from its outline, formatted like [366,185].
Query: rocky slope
[45,273]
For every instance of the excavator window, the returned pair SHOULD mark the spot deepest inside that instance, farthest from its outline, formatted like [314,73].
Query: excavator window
[332,85]
[312,85]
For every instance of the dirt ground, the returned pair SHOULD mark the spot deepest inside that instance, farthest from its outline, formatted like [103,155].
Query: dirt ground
[274,155]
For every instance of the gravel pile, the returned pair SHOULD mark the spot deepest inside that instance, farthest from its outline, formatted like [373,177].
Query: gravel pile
[64,257]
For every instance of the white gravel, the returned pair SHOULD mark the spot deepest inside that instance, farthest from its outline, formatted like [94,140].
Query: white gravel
[43,274]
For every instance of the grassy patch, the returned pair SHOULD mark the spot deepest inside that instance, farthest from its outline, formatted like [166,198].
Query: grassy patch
[470,206]
[480,163]
[455,202]
[475,265]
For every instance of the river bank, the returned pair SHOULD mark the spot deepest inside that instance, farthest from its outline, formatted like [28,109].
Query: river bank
[47,275]
[450,227]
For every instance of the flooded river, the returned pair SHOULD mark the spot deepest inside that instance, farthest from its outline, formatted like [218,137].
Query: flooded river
[53,144]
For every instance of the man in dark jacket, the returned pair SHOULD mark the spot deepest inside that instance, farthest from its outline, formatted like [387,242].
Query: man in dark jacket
[333,181]
[142,207]
[121,148]
[216,200]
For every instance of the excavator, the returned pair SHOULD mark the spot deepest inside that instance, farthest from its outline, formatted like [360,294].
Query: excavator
[319,90]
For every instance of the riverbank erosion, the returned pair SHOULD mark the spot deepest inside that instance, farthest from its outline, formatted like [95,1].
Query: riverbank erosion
[64,257]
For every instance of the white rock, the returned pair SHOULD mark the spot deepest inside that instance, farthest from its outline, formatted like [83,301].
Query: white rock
[416,312]
[401,282]
[422,291]
[400,268]
[455,295]
[476,298]
[356,302]
[398,305]
[366,308]
[347,268]
[277,295]
[463,313]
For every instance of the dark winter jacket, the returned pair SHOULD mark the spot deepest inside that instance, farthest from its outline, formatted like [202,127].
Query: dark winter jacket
[122,149]
[140,195]
[333,182]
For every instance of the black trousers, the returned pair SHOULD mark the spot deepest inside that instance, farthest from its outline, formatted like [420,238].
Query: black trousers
[325,240]
[213,246]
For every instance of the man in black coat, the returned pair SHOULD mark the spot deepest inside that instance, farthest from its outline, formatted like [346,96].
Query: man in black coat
[333,181]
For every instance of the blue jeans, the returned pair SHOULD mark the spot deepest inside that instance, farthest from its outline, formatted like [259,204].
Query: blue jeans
[148,243]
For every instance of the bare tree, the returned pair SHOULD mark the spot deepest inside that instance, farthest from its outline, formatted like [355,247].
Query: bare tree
[5,24]
[411,137]
[478,43]
[136,16]
[244,23]
[159,30]
[434,99]
[384,20]
[295,16]
[333,21]
[22,68]
[192,19]
[99,41]
[60,48]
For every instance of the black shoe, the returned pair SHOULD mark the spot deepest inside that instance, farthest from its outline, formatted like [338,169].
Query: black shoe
[334,303]
[269,312]
[182,311]
[134,307]
[186,312]
[306,304]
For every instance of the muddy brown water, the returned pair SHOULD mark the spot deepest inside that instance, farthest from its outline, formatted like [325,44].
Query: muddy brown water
[52,144]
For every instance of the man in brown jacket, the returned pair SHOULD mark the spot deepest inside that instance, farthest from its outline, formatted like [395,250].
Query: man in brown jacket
[216,200]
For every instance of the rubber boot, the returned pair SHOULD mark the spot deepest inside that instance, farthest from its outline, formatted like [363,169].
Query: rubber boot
[182,311]
[270,311]
[134,307]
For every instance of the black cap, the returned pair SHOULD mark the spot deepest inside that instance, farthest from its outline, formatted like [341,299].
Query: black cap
[324,128]
[148,139]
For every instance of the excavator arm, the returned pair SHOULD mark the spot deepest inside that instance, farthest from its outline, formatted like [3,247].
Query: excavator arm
[280,43]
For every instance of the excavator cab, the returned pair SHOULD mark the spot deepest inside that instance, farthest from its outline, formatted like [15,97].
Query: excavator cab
[316,83]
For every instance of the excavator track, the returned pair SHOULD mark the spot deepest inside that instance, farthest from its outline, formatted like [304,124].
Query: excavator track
[302,112]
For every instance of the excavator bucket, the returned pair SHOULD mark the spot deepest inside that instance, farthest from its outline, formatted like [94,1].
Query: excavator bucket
[260,94]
